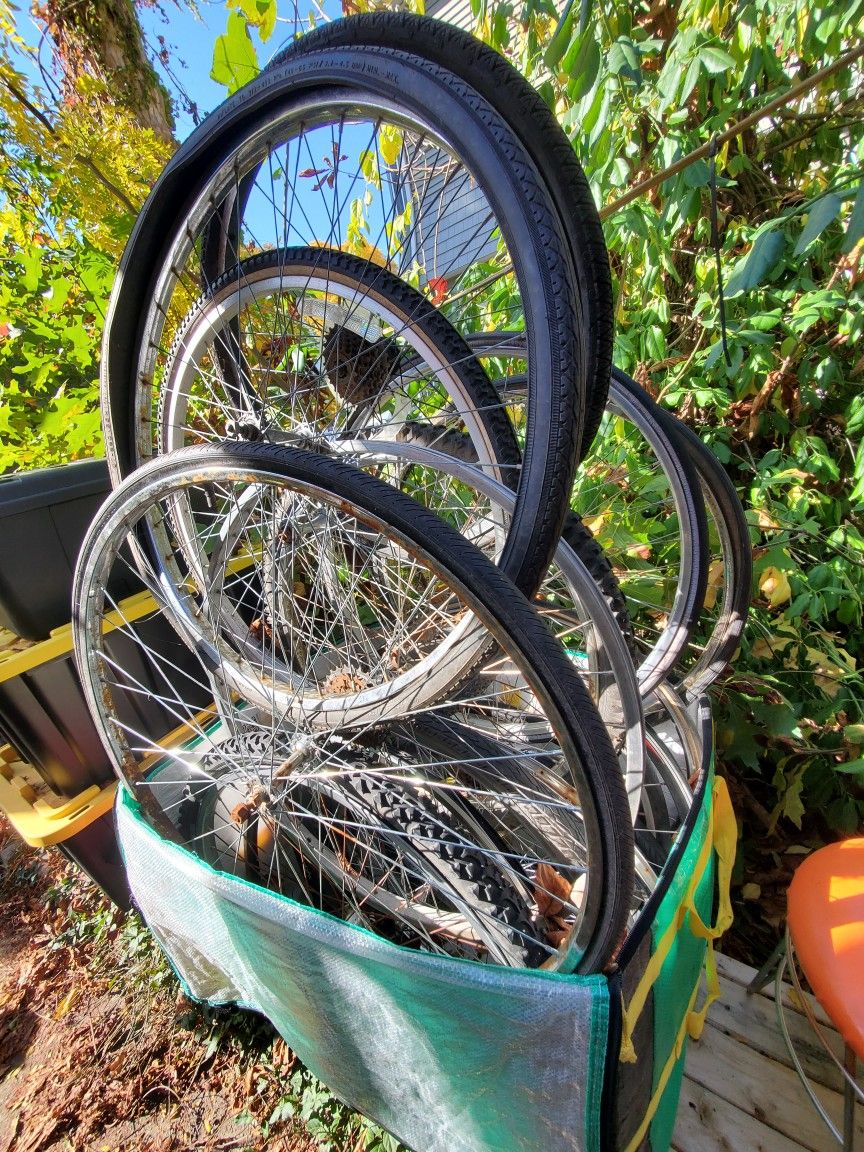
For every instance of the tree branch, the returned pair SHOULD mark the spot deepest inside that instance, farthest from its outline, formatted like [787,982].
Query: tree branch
[740,126]
[85,161]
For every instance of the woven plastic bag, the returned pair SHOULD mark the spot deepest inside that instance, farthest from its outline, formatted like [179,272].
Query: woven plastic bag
[449,1055]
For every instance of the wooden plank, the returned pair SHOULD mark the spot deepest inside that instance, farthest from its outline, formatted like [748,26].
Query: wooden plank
[764,1089]
[707,1123]
[742,974]
[734,969]
[752,1019]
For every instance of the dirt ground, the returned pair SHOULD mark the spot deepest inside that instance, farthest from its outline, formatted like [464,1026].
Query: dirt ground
[101,1052]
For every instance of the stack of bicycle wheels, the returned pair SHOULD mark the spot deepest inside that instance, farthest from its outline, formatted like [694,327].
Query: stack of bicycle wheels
[357,404]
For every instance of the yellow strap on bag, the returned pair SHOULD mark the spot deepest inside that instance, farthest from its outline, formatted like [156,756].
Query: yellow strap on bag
[722,839]
[725,839]
[692,1025]
[696,1019]
[663,1078]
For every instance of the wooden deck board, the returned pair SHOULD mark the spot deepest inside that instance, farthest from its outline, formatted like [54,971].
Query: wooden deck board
[740,1091]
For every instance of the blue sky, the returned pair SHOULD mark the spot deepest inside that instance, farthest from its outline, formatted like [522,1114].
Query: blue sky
[189,40]
[190,43]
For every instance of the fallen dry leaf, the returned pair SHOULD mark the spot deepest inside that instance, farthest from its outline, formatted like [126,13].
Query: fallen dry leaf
[551,890]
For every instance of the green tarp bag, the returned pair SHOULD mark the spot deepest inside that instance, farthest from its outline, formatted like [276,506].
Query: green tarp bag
[451,1055]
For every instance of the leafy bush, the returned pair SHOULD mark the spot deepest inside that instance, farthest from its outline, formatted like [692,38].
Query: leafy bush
[637,88]
[73,173]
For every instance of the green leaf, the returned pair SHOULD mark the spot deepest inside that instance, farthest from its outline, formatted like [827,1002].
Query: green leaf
[623,57]
[696,175]
[777,718]
[791,805]
[561,37]
[582,63]
[715,60]
[669,81]
[855,227]
[260,13]
[824,212]
[269,10]
[851,768]
[691,79]
[59,294]
[766,321]
[235,61]
[738,742]
[752,269]
[31,262]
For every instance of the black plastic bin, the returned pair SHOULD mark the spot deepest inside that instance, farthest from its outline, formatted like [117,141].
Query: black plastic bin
[44,516]
[44,716]
[95,849]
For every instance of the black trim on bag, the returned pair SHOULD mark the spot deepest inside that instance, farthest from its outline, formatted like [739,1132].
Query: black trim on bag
[607,1119]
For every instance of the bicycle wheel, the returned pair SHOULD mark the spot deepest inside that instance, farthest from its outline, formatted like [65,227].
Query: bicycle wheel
[426,865]
[308,334]
[410,399]
[730,574]
[729,564]
[638,493]
[569,599]
[316,711]
[537,129]
[377,153]
[673,756]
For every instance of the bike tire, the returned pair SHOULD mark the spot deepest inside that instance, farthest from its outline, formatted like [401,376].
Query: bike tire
[657,647]
[439,106]
[729,561]
[536,127]
[481,587]
[493,442]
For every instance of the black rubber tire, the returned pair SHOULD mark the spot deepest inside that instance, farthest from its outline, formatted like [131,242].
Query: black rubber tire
[471,752]
[459,445]
[478,390]
[417,826]
[663,432]
[575,532]
[579,536]
[485,590]
[472,875]
[725,508]
[453,110]
[727,512]
[534,124]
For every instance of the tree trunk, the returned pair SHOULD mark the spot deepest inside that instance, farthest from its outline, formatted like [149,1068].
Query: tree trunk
[104,38]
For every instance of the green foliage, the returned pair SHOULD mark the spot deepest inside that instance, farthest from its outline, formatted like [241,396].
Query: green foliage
[235,55]
[235,61]
[72,175]
[637,87]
